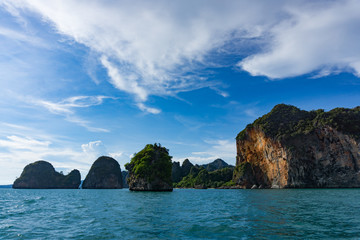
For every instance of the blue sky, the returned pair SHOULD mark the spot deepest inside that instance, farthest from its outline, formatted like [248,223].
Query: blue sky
[80,79]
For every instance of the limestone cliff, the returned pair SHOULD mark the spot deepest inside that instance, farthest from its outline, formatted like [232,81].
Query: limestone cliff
[42,175]
[292,148]
[105,173]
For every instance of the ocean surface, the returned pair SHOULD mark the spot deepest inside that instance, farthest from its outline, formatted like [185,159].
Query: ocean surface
[181,214]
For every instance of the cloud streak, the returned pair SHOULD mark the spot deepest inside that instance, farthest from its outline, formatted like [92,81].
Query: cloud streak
[66,109]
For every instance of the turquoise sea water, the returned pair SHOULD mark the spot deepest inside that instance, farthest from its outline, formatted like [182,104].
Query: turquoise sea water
[181,214]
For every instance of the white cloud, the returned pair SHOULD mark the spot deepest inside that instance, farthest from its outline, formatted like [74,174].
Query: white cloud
[123,82]
[314,37]
[94,149]
[116,155]
[156,47]
[16,142]
[161,47]
[144,108]
[65,108]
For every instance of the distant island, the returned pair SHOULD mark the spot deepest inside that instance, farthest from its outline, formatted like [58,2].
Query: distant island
[217,174]
[285,148]
[42,175]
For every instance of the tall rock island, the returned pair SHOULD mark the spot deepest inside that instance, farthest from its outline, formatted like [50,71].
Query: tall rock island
[42,175]
[150,169]
[105,173]
[293,148]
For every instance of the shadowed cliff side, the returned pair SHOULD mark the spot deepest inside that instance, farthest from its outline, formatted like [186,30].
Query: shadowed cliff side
[292,148]
[42,175]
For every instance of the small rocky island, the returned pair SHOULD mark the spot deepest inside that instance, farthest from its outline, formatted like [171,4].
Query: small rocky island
[105,173]
[150,169]
[293,148]
[42,175]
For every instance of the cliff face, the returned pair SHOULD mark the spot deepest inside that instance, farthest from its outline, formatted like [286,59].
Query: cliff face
[290,148]
[105,173]
[42,175]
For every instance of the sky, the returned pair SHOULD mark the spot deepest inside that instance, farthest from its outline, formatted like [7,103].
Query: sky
[85,78]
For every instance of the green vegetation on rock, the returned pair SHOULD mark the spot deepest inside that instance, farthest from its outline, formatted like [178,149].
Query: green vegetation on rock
[199,177]
[151,164]
[286,121]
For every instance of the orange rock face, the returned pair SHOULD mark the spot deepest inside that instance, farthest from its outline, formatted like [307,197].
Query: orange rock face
[269,155]
[322,158]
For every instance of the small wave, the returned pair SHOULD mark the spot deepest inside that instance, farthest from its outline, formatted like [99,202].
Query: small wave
[29,201]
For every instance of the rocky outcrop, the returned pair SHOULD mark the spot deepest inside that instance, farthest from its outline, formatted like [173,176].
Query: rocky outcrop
[150,169]
[42,175]
[216,165]
[186,167]
[178,172]
[105,173]
[291,148]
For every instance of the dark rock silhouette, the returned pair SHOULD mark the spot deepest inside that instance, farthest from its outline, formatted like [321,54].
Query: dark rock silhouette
[105,173]
[216,165]
[42,175]
[178,172]
[186,167]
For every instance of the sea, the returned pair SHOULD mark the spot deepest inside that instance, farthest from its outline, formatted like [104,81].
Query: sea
[181,214]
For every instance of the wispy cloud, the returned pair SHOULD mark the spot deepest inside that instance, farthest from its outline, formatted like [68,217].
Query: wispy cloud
[21,37]
[16,142]
[159,48]
[144,108]
[66,108]
[156,48]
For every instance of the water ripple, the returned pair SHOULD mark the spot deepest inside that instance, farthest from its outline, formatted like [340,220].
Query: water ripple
[182,214]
